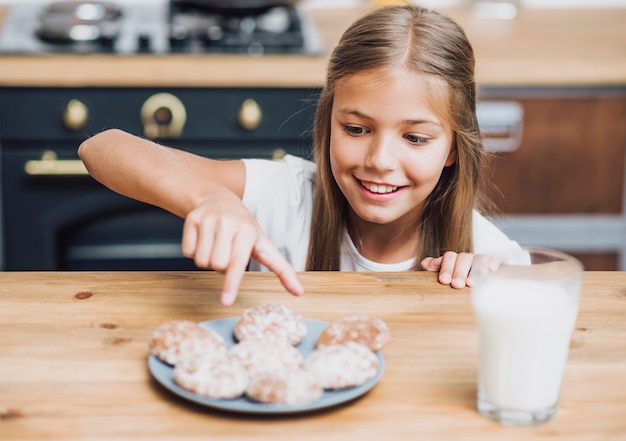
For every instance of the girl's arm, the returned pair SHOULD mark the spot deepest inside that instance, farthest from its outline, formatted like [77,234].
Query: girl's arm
[171,179]
[219,232]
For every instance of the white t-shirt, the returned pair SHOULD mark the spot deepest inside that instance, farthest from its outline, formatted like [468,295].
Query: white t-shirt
[280,196]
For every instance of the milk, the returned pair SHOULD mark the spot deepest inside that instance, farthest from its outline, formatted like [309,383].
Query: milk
[524,332]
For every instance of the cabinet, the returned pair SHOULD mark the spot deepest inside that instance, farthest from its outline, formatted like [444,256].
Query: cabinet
[564,186]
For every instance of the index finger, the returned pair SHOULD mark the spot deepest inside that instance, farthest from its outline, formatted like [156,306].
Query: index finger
[267,254]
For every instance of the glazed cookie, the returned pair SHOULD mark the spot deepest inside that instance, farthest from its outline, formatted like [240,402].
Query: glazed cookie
[260,355]
[343,365]
[270,322]
[291,386]
[180,339]
[212,376]
[369,331]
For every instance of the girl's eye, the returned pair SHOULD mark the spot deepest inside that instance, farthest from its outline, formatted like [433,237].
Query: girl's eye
[354,130]
[416,139]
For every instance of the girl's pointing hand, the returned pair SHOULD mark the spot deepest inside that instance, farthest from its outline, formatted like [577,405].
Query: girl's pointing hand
[221,234]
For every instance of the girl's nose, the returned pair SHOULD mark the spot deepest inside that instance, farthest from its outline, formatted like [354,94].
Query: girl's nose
[380,154]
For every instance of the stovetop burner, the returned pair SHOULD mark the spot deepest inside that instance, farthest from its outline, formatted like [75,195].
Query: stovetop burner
[74,22]
[106,27]
[277,30]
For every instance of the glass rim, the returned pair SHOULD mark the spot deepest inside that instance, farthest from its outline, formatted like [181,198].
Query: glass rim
[560,255]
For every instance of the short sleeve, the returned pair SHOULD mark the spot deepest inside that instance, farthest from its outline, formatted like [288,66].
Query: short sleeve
[488,238]
[279,194]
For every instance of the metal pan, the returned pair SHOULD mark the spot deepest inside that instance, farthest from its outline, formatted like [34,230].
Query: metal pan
[235,7]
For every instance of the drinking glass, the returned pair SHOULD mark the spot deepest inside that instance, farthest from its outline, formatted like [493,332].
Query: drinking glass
[526,304]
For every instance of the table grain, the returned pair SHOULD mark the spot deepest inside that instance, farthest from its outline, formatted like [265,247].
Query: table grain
[74,348]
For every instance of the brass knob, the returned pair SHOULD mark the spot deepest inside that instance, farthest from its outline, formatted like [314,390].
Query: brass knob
[76,115]
[278,154]
[250,115]
[163,116]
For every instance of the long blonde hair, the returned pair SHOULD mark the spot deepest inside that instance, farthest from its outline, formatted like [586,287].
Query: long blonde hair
[427,43]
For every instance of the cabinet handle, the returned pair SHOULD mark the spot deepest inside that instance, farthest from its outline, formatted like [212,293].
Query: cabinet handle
[501,124]
[49,165]
[250,115]
[163,116]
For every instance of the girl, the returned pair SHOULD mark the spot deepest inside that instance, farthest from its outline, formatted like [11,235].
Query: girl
[393,185]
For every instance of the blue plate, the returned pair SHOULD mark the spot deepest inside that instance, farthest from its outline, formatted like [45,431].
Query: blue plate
[164,372]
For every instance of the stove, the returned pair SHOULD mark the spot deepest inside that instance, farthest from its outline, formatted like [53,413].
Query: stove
[86,27]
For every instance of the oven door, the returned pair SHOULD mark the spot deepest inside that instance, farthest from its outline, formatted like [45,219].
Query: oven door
[52,226]
[138,238]
[56,217]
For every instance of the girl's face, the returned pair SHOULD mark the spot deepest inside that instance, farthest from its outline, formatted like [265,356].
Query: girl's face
[387,145]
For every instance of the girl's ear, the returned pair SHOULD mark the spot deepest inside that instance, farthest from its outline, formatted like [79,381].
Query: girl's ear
[451,156]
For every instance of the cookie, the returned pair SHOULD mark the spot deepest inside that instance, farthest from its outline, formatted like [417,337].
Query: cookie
[214,376]
[369,331]
[260,355]
[339,366]
[292,386]
[181,339]
[270,322]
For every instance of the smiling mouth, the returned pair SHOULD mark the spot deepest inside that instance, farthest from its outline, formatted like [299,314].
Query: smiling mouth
[379,188]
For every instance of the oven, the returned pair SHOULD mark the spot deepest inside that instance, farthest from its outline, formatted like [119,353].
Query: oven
[56,217]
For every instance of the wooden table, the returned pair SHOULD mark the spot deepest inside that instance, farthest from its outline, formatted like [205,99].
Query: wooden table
[74,347]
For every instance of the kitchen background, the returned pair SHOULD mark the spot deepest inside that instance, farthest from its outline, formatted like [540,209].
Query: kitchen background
[559,141]
[430,3]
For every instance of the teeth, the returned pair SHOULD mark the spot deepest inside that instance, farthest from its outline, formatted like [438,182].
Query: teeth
[379,188]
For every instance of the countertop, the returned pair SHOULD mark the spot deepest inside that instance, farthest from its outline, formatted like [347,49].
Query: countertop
[547,48]
[74,350]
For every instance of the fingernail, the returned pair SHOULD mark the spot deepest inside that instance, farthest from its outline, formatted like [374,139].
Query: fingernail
[458,283]
[228,298]
[299,290]
[445,278]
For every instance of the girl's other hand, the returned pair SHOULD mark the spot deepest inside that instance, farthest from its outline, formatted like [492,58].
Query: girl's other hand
[222,235]
[454,268]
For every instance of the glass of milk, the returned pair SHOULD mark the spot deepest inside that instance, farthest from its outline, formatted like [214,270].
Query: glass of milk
[525,305]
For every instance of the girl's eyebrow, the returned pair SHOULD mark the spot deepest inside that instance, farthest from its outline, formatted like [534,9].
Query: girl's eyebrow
[355,112]
[408,122]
